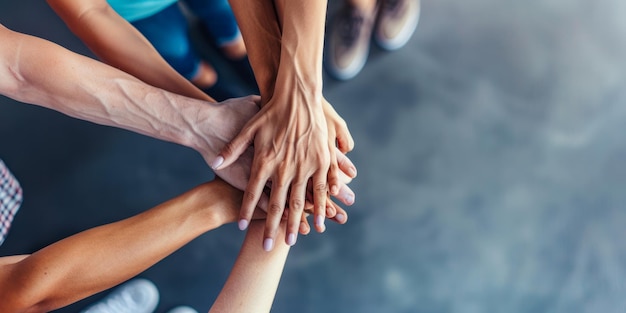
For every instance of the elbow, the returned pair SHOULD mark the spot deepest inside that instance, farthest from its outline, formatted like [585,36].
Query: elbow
[20,294]
[22,302]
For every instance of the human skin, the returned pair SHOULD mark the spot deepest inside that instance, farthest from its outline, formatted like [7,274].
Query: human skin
[117,43]
[99,258]
[284,48]
[253,281]
[114,98]
[111,97]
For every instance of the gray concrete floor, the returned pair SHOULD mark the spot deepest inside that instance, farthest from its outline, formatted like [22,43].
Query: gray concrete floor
[490,155]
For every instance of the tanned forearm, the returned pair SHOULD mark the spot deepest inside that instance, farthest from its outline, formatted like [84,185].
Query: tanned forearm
[102,257]
[301,46]
[253,281]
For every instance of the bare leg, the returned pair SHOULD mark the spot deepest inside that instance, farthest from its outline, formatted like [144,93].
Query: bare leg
[206,76]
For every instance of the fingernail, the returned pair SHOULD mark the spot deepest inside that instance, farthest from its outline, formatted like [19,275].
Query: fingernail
[217,162]
[243,224]
[319,220]
[268,244]
[351,199]
[347,198]
[291,239]
[352,172]
[340,217]
[334,189]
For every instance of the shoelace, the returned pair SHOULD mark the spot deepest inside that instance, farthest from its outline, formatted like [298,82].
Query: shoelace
[119,303]
[350,27]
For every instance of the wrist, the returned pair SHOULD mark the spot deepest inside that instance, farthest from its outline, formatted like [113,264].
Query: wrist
[294,80]
[200,134]
[203,208]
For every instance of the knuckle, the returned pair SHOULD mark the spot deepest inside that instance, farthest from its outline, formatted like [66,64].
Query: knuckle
[264,156]
[275,209]
[297,204]
[228,149]
[249,196]
[319,187]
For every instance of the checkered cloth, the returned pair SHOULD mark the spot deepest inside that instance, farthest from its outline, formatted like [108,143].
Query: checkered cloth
[10,200]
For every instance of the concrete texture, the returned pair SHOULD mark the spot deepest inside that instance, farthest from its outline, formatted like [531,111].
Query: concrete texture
[490,155]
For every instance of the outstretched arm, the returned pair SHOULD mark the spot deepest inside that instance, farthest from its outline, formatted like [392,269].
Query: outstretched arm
[101,257]
[253,281]
[87,89]
[39,72]
[295,132]
[116,42]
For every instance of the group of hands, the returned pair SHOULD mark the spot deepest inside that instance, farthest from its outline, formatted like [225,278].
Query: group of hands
[288,158]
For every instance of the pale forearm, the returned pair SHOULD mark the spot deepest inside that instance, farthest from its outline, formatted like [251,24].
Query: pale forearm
[102,257]
[253,281]
[48,75]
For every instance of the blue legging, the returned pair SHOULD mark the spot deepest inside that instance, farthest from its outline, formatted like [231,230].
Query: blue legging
[167,31]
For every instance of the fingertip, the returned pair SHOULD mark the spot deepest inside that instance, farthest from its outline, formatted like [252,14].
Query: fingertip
[268,244]
[331,211]
[319,223]
[291,239]
[215,165]
[243,224]
[352,171]
[346,196]
[304,229]
[340,218]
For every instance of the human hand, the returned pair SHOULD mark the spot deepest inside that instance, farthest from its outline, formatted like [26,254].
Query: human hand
[291,146]
[216,125]
[337,132]
[219,124]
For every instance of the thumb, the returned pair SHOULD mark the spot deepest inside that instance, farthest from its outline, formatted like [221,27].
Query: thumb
[345,142]
[232,150]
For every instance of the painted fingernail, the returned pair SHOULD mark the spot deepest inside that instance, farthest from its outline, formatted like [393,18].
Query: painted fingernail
[347,198]
[350,199]
[340,218]
[291,239]
[352,172]
[243,224]
[217,162]
[268,244]
[319,220]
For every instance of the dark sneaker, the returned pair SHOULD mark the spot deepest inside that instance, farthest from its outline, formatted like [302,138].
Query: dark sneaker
[348,42]
[136,296]
[396,23]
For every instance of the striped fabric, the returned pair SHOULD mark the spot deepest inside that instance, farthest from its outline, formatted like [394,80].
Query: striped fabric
[10,200]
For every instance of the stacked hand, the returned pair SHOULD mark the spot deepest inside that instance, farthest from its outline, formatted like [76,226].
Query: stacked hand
[295,152]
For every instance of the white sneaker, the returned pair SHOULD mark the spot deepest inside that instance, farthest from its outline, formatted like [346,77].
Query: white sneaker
[182,309]
[136,296]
